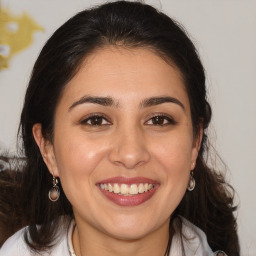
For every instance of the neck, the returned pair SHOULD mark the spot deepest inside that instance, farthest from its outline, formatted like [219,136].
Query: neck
[89,241]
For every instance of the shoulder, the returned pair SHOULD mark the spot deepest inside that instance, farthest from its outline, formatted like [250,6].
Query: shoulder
[196,240]
[16,245]
[192,239]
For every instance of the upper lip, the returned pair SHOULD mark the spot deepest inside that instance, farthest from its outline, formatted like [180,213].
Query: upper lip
[128,180]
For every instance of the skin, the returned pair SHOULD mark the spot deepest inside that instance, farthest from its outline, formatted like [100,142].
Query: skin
[127,142]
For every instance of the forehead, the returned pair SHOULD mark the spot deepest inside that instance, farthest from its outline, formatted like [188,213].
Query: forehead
[126,73]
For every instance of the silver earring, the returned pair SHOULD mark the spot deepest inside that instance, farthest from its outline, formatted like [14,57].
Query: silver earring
[54,192]
[192,182]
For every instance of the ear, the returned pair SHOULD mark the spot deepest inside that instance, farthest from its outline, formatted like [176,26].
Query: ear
[196,146]
[46,149]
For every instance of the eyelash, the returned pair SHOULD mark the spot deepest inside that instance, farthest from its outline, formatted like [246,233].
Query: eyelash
[94,116]
[164,117]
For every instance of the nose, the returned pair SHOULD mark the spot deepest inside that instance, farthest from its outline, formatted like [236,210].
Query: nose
[129,149]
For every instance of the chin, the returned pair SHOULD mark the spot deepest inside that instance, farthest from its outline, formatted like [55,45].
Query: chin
[134,229]
[129,234]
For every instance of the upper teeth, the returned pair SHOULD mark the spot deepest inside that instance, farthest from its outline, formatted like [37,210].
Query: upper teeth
[125,189]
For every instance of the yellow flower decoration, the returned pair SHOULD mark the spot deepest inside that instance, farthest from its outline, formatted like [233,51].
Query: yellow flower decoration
[16,34]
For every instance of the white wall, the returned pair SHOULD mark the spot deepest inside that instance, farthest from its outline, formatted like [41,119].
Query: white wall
[224,32]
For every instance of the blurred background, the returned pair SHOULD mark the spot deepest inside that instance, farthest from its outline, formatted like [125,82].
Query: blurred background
[225,35]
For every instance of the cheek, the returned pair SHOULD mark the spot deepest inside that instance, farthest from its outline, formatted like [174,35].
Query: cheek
[77,159]
[76,152]
[174,152]
[173,160]
[173,157]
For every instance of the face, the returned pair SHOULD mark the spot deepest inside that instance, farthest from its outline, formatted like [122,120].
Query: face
[123,142]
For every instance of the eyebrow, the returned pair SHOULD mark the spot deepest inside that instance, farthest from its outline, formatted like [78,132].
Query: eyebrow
[110,102]
[160,100]
[104,101]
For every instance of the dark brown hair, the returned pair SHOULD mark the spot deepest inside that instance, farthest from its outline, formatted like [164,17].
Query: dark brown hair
[131,24]
[11,210]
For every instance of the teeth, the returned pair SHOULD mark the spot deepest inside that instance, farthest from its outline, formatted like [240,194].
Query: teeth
[116,189]
[141,188]
[124,189]
[133,189]
[110,188]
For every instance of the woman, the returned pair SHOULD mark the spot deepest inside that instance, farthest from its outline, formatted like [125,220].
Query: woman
[114,131]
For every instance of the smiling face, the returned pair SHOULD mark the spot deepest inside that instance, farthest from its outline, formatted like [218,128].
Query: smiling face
[123,142]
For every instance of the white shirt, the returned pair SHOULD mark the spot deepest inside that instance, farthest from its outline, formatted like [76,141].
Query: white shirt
[195,243]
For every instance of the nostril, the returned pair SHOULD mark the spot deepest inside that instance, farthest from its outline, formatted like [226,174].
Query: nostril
[129,149]
[129,161]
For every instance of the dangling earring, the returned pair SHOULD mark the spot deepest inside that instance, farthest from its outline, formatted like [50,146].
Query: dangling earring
[192,182]
[54,192]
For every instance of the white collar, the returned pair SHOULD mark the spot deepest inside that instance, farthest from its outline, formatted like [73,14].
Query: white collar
[71,229]
[193,239]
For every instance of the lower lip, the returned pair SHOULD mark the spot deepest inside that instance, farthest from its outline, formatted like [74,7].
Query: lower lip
[133,200]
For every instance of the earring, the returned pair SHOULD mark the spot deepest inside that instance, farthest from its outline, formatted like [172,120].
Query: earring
[192,182]
[54,192]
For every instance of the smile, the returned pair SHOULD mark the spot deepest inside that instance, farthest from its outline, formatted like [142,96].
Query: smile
[128,191]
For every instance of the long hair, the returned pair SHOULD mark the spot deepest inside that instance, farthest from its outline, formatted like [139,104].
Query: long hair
[129,24]
[11,210]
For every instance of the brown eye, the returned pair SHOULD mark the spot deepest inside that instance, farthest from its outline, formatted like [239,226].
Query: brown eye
[95,121]
[160,120]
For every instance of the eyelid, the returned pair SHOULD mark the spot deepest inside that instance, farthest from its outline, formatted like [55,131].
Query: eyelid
[167,116]
[91,115]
